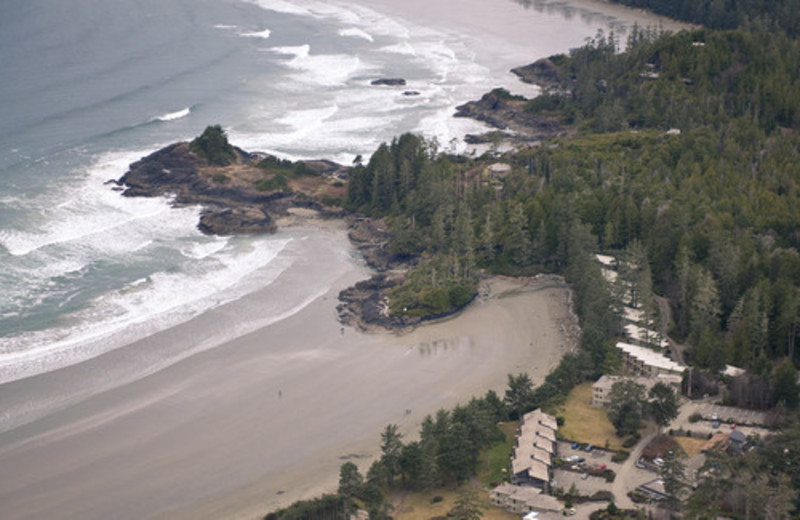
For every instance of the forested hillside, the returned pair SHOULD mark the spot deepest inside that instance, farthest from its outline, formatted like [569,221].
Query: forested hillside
[727,14]
[684,147]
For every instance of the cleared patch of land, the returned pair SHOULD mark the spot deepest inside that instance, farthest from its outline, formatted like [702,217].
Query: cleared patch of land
[585,423]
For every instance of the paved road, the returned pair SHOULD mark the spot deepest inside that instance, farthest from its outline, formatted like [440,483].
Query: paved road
[629,476]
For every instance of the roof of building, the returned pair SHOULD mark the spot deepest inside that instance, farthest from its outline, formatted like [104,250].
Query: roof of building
[533,452]
[539,471]
[737,436]
[634,315]
[606,382]
[539,417]
[732,371]
[606,260]
[609,275]
[642,334]
[533,497]
[500,168]
[650,357]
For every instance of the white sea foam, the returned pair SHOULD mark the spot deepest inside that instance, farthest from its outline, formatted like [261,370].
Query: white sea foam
[257,34]
[355,32]
[320,69]
[144,307]
[172,116]
[281,6]
[90,209]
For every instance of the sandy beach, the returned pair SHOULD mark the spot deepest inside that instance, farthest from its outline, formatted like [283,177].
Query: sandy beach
[267,418]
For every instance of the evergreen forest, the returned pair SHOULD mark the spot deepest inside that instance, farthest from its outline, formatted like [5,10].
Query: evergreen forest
[681,159]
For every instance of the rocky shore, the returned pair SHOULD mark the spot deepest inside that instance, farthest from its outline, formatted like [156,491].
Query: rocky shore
[230,196]
[252,194]
[232,203]
[508,113]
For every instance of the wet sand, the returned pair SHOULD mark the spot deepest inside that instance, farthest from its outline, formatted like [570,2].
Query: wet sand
[267,418]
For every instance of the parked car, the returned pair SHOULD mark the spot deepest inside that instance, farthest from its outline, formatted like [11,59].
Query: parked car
[589,447]
[576,445]
[601,467]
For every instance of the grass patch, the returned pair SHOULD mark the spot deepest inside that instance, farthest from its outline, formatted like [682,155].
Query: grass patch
[493,461]
[691,445]
[585,423]
[418,506]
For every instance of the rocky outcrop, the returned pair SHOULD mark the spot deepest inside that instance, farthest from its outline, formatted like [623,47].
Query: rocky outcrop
[236,221]
[542,72]
[365,306]
[505,112]
[389,82]
[232,203]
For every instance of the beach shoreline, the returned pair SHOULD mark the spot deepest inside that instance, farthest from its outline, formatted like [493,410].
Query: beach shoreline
[266,418]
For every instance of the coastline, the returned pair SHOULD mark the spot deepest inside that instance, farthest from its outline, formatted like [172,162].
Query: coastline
[267,418]
[213,435]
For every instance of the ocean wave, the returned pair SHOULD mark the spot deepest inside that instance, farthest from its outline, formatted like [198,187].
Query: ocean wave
[145,306]
[321,69]
[89,208]
[281,6]
[355,32]
[172,116]
[257,34]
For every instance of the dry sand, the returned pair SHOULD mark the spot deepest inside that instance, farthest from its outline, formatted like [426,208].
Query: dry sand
[268,418]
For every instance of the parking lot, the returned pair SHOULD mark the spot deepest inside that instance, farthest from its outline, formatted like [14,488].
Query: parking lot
[588,485]
[740,418]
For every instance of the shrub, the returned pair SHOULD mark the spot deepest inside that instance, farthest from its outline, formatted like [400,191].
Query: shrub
[602,496]
[276,183]
[620,456]
[695,417]
[220,178]
[213,145]
[460,295]
[630,442]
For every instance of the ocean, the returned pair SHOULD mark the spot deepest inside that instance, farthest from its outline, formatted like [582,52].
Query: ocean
[90,86]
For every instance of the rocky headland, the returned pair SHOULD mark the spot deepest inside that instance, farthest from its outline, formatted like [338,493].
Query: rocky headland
[255,192]
[509,113]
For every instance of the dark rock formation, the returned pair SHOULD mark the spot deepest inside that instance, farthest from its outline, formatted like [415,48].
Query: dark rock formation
[390,82]
[232,204]
[542,72]
[236,221]
[501,110]
[411,93]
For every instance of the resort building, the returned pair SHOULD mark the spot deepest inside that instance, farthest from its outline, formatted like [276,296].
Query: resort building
[531,464]
[643,361]
[523,500]
[602,387]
